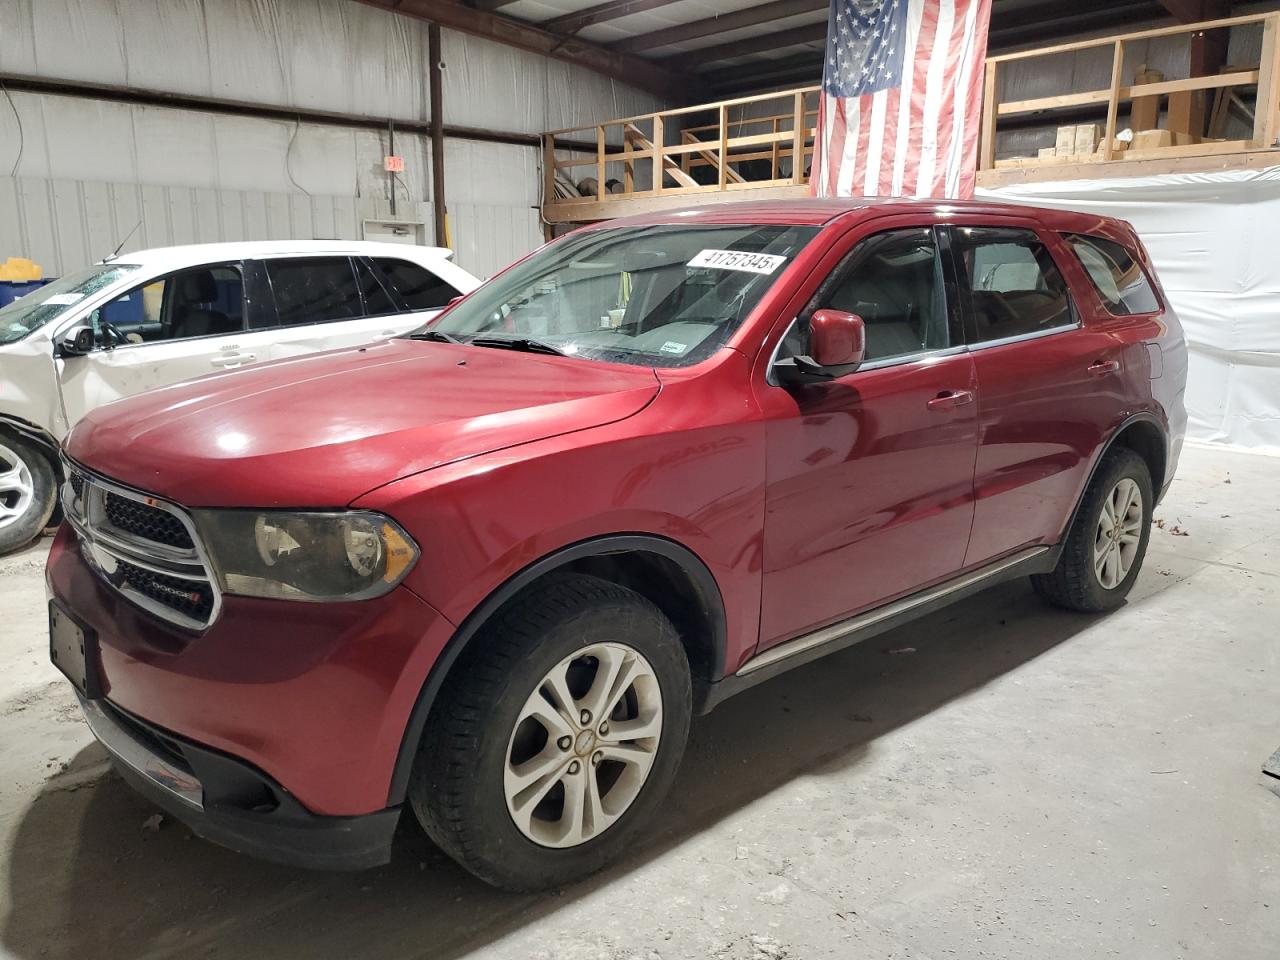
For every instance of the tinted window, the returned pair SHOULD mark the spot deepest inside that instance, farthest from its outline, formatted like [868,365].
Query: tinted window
[199,302]
[893,281]
[316,290]
[377,301]
[1116,275]
[1016,287]
[416,287]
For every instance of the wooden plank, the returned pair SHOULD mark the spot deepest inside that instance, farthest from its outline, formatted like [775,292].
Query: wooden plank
[1113,103]
[668,164]
[797,140]
[724,146]
[1128,37]
[1188,150]
[1264,114]
[697,108]
[601,149]
[659,156]
[774,155]
[1040,173]
[706,153]
[987,138]
[1240,78]
[1013,107]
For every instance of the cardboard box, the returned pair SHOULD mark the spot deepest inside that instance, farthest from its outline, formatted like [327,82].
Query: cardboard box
[1048,153]
[1155,139]
[1087,136]
[1144,112]
[1066,145]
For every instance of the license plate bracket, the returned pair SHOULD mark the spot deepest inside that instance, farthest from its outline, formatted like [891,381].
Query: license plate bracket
[73,648]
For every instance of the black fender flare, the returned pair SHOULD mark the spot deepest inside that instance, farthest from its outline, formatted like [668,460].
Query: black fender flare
[1106,447]
[682,556]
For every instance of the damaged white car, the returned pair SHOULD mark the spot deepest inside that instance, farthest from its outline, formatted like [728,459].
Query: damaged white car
[155,317]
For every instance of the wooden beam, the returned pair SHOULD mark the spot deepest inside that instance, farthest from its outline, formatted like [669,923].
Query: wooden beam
[665,165]
[601,13]
[490,5]
[1097,170]
[809,33]
[626,68]
[1136,35]
[750,17]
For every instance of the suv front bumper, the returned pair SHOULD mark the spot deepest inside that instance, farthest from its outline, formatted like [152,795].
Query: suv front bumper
[229,803]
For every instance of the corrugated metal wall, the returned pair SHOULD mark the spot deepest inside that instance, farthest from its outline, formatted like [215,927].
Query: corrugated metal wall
[78,174]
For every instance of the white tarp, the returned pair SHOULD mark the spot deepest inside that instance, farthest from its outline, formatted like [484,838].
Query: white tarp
[1213,239]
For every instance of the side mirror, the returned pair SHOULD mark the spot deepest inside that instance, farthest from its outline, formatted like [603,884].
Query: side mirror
[78,341]
[837,346]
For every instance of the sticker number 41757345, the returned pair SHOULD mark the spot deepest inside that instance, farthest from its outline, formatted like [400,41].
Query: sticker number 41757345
[738,260]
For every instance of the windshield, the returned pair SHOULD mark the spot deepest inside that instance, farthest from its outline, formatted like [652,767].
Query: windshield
[657,296]
[29,313]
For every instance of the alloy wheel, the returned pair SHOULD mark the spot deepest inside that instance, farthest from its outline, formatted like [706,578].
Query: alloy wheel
[17,489]
[583,745]
[1118,535]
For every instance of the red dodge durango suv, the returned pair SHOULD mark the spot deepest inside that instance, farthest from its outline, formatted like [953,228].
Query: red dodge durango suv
[490,570]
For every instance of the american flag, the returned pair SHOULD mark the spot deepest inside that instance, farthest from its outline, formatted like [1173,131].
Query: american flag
[901,98]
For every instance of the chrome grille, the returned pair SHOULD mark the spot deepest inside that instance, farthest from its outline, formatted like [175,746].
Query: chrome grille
[145,547]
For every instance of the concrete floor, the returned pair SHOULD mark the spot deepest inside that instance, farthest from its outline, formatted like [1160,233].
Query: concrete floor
[999,780]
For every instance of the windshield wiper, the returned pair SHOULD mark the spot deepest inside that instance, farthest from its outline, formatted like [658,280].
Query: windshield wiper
[523,344]
[435,336]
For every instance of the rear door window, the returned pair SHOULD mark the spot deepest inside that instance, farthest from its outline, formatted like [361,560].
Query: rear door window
[314,290]
[414,286]
[1015,287]
[1116,275]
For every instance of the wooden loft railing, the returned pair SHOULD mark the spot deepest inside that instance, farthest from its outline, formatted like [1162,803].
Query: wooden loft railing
[1186,149]
[663,159]
[676,157]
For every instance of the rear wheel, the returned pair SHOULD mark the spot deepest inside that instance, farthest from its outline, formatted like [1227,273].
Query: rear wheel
[1108,540]
[557,738]
[28,492]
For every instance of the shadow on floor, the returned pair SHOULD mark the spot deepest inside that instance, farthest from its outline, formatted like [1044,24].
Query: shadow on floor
[87,880]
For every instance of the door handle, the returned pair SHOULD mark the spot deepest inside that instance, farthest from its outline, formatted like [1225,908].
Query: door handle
[1100,368]
[233,359]
[950,399]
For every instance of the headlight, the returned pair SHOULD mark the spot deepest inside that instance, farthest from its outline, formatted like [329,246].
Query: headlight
[306,556]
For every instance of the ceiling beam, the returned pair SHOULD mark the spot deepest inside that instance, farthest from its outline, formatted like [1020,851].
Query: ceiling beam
[490,5]
[636,71]
[691,61]
[601,13]
[807,67]
[750,17]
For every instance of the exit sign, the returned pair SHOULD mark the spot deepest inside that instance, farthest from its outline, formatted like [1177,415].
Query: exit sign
[393,164]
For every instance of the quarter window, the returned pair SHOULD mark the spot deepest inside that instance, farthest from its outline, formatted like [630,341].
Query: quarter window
[1116,275]
[314,290]
[1016,287]
[416,287]
[893,281]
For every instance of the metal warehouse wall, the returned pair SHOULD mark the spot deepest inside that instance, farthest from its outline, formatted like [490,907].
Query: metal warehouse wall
[76,174]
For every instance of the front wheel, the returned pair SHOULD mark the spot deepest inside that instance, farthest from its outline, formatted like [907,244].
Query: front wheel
[28,492]
[557,738]
[1108,540]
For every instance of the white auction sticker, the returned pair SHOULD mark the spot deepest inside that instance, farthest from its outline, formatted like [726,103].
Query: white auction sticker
[64,299]
[764,263]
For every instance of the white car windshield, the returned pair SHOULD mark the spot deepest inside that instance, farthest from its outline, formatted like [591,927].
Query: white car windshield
[666,295]
[27,314]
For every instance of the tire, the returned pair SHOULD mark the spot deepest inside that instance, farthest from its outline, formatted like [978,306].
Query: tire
[28,492]
[1077,582]
[495,723]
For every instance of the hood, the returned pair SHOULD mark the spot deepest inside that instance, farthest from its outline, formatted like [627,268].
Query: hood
[318,431]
